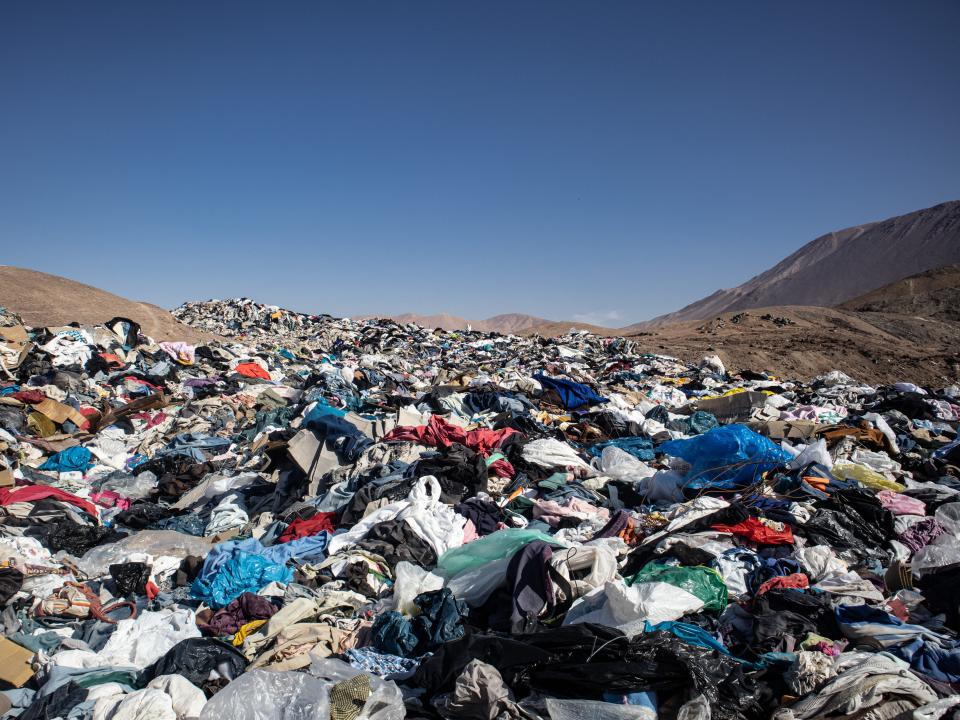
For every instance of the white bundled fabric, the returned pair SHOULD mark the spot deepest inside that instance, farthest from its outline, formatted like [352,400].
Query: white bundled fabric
[551,453]
[429,518]
[137,642]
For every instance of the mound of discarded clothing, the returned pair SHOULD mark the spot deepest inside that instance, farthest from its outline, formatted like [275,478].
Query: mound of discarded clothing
[317,517]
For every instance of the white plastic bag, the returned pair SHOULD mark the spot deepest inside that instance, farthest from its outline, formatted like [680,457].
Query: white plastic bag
[617,463]
[628,608]
[410,581]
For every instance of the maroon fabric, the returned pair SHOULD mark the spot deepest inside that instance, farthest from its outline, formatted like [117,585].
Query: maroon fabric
[31,397]
[311,526]
[502,468]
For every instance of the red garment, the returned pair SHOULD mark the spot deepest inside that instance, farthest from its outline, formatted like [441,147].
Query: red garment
[29,493]
[797,580]
[29,396]
[252,370]
[502,468]
[306,528]
[485,441]
[440,433]
[760,533]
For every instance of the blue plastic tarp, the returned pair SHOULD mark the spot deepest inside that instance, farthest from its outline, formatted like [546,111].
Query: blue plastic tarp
[726,457]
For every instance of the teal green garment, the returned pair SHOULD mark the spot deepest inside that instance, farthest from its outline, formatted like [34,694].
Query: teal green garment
[494,457]
[554,482]
[495,546]
[704,582]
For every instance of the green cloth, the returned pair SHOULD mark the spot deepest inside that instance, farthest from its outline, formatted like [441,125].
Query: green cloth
[704,582]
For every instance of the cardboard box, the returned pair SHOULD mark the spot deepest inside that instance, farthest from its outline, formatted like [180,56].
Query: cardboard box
[15,663]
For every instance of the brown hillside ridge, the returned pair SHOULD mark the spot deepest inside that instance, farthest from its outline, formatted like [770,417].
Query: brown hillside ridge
[44,300]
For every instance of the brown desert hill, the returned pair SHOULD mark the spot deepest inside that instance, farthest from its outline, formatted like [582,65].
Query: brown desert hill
[840,265]
[44,300]
[931,294]
[907,330]
[804,341]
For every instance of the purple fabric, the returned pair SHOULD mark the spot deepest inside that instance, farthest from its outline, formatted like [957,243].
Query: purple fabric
[238,613]
[618,523]
[201,382]
[922,534]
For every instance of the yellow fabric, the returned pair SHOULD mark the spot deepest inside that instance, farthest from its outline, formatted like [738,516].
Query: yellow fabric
[245,630]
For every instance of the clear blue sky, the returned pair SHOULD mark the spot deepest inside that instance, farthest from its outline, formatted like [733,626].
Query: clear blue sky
[608,161]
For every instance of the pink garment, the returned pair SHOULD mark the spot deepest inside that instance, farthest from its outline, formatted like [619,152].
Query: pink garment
[469,532]
[901,504]
[30,493]
[109,499]
[440,433]
[551,512]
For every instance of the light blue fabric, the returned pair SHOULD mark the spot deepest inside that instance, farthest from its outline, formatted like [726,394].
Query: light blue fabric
[72,459]
[640,448]
[235,567]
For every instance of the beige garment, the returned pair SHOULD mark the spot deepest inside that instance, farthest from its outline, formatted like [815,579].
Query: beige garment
[293,612]
[296,642]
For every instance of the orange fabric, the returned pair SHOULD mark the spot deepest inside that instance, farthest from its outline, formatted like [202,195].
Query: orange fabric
[252,370]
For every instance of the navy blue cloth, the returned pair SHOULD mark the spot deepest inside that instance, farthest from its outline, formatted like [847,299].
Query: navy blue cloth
[347,440]
[572,394]
[440,621]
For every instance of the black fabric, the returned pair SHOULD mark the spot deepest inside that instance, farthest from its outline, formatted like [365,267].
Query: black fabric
[56,704]
[530,589]
[395,541]
[195,658]
[126,328]
[11,580]
[939,588]
[461,472]
[598,661]
[76,539]
[392,490]
[439,672]
[484,514]
[142,515]
[131,578]
[913,405]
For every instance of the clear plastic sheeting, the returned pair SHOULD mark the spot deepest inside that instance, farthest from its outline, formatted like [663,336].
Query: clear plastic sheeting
[265,695]
[385,701]
[96,562]
[596,710]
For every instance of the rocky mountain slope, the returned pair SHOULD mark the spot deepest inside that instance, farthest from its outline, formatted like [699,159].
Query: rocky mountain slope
[931,294]
[840,265]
